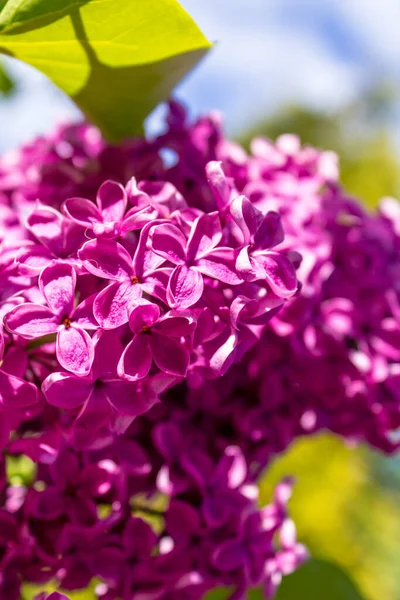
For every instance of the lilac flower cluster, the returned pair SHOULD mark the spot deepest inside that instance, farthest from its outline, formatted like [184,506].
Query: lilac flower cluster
[157,350]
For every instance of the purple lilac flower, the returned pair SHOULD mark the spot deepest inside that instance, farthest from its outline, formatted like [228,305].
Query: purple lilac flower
[108,218]
[193,356]
[74,346]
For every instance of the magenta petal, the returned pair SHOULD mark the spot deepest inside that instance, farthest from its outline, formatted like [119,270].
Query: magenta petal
[279,273]
[31,321]
[83,314]
[185,287]
[108,349]
[270,231]
[136,218]
[32,260]
[218,183]
[182,521]
[112,305]
[49,504]
[169,242]
[67,391]
[174,326]
[138,538]
[129,399]
[82,211]
[108,563]
[220,264]
[45,223]
[112,200]
[136,359]
[245,266]
[169,355]
[57,283]
[75,350]
[247,217]
[106,259]
[205,235]
[92,426]
[228,556]
[144,314]
[16,392]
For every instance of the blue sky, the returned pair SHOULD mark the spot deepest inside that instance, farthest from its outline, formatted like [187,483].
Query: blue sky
[322,53]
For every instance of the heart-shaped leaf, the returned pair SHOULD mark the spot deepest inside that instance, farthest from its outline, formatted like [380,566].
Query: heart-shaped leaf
[117,59]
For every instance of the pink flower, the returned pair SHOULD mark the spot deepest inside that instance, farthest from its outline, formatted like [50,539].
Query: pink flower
[194,257]
[74,346]
[155,338]
[108,218]
[255,260]
[129,277]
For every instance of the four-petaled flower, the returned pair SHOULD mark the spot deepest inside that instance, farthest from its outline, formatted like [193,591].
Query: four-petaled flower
[74,346]
[255,260]
[155,338]
[194,257]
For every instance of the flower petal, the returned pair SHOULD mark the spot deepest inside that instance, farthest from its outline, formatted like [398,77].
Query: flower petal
[75,351]
[169,242]
[136,359]
[106,259]
[206,233]
[57,283]
[144,314]
[130,398]
[112,201]
[49,504]
[270,231]
[91,428]
[31,321]
[169,355]
[32,260]
[247,217]
[112,305]
[220,264]
[108,349]
[67,391]
[228,556]
[136,218]
[280,273]
[83,314]
[185,287]
[17,392]
[82,211]
[175,326]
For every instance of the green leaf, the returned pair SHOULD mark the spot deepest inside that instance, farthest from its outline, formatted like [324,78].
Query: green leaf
[316,580]
[6,83]
[117,59]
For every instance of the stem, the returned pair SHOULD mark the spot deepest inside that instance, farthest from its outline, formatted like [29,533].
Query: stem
[148,510]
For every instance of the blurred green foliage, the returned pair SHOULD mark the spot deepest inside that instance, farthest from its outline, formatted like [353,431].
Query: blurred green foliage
[7,85]
[341,512]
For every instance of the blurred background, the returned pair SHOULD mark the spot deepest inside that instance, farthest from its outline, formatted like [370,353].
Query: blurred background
[328,71]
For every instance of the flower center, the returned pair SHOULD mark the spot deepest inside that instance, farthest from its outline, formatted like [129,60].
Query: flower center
[145,329]
[67,322]
[134,280]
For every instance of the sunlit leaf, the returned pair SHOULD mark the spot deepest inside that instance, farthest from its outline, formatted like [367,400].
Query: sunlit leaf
[6,83]
[116,58]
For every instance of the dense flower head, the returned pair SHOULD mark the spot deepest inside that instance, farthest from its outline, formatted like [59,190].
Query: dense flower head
[168,325]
